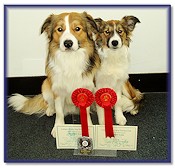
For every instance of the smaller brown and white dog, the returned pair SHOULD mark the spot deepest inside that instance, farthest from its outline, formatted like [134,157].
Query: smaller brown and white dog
[72,62]
[112,44]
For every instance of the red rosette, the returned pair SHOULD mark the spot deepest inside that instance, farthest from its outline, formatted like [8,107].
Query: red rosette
[83,98]
[106,98]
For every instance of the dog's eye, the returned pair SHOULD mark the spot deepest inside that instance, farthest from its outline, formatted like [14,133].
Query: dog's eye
[77,29]
[107,32]
[120,31]
[60,29]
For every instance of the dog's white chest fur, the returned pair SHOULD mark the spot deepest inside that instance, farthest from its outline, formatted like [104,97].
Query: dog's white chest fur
[114,67]
[67,68]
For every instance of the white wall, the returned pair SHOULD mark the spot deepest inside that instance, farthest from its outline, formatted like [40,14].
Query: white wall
[27,49]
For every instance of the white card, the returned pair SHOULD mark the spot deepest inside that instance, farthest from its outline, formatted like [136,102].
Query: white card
[68,134]
[125,138]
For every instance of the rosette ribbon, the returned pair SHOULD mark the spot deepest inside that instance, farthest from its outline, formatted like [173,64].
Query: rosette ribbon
[106,98]
[83,98]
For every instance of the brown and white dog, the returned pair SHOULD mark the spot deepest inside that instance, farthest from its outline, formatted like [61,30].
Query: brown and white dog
[112,44]
[71,63]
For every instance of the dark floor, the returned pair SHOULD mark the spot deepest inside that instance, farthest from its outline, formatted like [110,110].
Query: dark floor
[28,137]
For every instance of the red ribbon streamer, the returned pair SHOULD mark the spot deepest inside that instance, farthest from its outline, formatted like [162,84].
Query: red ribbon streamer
[84,123]
[108,122]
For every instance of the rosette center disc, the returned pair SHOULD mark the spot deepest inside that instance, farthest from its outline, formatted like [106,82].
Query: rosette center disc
[105,99]
[82,99]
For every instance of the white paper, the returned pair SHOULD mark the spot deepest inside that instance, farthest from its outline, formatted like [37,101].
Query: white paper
[125,137]
[67,135]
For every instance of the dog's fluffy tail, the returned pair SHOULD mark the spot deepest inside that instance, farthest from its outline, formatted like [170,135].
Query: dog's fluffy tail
[132,93]
[27,105]
[131,99]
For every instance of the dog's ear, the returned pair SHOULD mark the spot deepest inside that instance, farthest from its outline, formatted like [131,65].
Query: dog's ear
[47,27]
[90,21]
[91,25]
[129,22]
[100,24]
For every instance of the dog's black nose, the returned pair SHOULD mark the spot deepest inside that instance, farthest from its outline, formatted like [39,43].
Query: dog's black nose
[114,43]
[68,43]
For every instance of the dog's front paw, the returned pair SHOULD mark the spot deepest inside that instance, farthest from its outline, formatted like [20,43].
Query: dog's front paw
[134,112]
[50,112]
[53,132]
[121,120]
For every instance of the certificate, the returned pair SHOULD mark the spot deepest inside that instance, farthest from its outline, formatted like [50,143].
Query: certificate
[125,137]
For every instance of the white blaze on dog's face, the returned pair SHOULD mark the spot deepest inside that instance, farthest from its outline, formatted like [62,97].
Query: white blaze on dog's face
[68,31]
[67,39]
[115,40]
